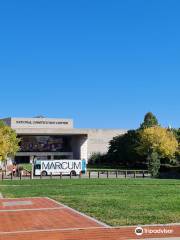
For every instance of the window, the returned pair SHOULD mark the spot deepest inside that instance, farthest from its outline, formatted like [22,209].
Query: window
[45,144]
[37,166]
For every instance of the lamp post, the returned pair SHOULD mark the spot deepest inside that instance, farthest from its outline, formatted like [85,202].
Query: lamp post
[32,171]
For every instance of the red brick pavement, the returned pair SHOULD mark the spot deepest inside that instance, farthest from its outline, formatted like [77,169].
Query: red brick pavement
[46,219]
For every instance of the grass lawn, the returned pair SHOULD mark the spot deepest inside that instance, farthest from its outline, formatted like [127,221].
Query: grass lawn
[113,201]
[27,166]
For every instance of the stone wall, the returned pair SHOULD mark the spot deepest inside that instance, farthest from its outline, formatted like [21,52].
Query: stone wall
[98,139]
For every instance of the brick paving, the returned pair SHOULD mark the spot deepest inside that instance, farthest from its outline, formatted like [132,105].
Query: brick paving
[42,218]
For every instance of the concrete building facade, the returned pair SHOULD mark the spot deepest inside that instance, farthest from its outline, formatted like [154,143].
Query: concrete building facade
[56,138]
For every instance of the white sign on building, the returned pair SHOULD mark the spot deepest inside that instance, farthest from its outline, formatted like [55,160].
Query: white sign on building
[40,123]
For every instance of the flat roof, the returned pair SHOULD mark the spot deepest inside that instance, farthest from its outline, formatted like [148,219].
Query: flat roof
[52,126]
[38,123]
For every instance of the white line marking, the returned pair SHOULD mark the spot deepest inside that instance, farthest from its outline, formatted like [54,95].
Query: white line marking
[50,230]
[80,213]
[31,209]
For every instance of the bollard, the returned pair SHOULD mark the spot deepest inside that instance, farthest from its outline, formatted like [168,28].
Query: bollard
[98,174]
[2,176]
[89,174]
[143,174]
[51,175]
[134,174]
[70,176]
[60,175]
[116,174]
[11,176]
[107,174]
[125,174]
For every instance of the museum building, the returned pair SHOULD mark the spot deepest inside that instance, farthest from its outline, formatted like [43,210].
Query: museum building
[54,138]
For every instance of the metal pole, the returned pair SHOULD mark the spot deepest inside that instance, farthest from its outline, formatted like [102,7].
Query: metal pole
[32,171]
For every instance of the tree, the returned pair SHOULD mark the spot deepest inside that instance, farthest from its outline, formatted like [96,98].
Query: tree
[96,158]
[150,120]
[122,149]
[154,164]
[176,133]
[157,140]
[9,143]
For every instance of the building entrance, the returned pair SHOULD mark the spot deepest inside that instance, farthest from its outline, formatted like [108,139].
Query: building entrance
[22,159]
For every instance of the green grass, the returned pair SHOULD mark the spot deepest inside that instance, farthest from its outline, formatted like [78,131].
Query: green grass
[114,201]
[27,166]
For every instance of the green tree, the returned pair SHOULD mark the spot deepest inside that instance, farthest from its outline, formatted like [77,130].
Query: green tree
[9,143]
[176,133]
[154,164]
[96,158]
[157,140]
[150,120]
[122,150]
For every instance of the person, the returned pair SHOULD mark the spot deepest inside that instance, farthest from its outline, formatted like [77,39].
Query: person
[14,170]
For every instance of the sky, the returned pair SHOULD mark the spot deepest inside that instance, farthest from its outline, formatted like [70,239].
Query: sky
[104,63]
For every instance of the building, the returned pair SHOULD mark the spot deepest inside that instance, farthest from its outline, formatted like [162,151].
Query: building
[54,138]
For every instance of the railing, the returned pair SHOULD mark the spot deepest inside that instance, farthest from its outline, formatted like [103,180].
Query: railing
[118,173]
[90,174]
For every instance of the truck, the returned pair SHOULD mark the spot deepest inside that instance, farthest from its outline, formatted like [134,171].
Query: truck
[61,166]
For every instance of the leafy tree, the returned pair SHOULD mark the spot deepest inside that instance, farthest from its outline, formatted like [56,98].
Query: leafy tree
[176,133]
[157,140]
[150,120]
[154,164]
[96,158]
[9,143]
[122,149]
